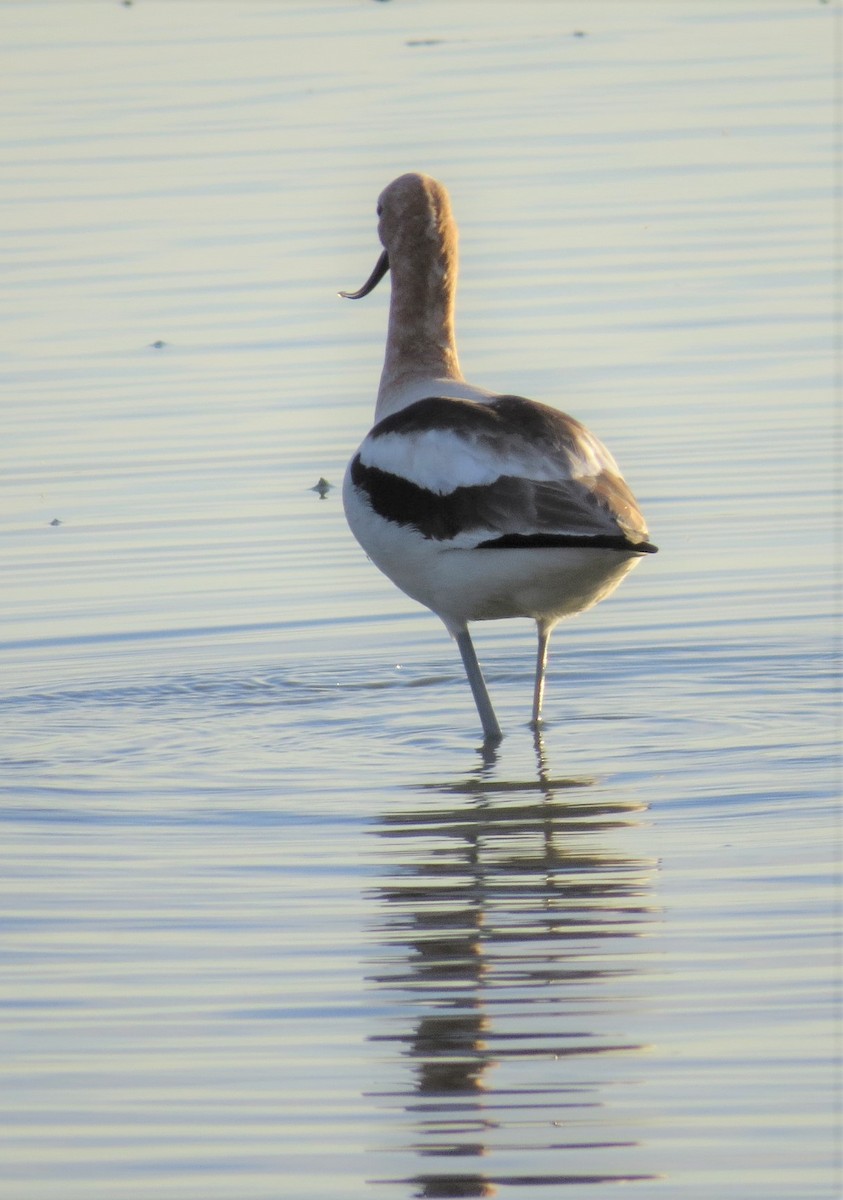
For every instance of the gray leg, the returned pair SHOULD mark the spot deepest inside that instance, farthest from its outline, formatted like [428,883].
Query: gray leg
[491,728]
[541,667]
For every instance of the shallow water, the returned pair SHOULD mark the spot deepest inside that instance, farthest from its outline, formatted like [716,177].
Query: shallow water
[273,923]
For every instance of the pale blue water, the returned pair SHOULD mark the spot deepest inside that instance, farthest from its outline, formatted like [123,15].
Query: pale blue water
[273,925]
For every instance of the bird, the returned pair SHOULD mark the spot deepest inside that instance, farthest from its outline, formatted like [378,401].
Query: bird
[480,506]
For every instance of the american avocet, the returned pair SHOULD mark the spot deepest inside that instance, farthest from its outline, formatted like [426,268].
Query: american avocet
[480,506]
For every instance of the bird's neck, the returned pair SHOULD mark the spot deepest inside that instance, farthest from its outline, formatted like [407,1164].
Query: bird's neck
[420,341]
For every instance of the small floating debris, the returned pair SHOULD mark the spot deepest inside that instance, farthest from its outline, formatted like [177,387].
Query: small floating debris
[322,487]
[580,33]
[55,521]
[159,345]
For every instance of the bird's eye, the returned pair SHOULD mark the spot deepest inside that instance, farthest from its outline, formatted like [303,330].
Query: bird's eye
[379,210]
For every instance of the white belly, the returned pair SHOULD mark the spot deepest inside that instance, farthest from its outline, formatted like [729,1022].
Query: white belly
[463,585]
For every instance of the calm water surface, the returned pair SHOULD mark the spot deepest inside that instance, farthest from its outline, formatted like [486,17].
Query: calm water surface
[273,924]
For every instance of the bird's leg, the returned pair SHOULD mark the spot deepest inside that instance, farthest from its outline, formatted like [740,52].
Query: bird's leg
[491,728]
[544,632]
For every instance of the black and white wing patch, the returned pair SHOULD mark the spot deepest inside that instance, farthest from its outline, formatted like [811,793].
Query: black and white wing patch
[503,474]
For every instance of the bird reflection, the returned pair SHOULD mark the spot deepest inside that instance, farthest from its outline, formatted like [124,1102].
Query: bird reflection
[501,935]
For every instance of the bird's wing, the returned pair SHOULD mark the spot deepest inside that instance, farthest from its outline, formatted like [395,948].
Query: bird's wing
[509,472]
